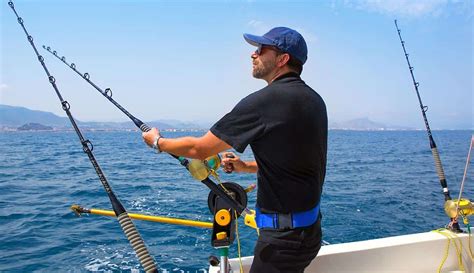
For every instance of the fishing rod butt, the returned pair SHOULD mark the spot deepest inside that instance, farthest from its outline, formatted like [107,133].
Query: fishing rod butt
[137,243]
[439,166]
[133,237]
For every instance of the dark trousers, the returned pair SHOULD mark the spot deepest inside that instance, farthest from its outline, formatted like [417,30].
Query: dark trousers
[289,251]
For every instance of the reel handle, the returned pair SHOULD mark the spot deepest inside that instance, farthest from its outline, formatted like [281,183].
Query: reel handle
[230,164]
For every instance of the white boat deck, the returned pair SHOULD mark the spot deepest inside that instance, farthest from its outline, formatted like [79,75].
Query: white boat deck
[414,253]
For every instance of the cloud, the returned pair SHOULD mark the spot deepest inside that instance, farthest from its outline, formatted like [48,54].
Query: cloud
[410,8]
[259,27]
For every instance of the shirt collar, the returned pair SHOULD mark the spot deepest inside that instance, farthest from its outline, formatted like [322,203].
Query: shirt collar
[287,75]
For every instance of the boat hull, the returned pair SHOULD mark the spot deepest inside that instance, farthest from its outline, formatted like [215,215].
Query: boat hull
[414,253]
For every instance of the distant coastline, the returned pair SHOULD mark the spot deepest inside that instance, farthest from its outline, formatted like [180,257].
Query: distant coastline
[91,129]
[14,118]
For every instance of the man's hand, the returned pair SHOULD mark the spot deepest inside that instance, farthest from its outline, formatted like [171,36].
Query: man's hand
[231,162]
[151,137]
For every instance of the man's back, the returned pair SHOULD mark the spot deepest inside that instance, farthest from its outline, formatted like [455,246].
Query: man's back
[291,150]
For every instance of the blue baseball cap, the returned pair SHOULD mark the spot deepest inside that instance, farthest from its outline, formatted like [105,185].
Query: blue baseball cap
[285,39]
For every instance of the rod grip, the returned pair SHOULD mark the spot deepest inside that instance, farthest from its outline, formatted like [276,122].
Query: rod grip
[144,128]
[137,243]
[439,167]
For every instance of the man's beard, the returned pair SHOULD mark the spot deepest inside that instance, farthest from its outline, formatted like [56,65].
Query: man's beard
[263,69]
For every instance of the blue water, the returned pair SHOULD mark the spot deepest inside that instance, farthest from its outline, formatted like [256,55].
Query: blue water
[378,184]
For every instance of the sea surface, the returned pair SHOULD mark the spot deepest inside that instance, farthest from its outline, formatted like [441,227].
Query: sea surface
[378,184]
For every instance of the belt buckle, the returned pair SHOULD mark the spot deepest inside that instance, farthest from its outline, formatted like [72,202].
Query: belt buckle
[285,221]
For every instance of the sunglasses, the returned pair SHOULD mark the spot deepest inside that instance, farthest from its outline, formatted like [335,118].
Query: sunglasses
[261,47]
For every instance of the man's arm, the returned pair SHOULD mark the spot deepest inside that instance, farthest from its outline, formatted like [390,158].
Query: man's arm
[191,147]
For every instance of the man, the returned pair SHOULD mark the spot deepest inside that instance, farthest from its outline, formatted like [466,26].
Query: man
[285,124]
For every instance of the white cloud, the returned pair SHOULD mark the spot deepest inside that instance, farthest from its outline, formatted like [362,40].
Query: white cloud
[259,27]
[412,8]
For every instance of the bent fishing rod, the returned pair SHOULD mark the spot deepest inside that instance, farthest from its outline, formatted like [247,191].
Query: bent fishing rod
[126,223]
[107,93]
[424,109]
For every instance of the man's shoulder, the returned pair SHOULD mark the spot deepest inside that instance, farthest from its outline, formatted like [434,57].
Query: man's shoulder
[257,95]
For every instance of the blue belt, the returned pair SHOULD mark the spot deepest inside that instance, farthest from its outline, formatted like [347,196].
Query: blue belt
[287,220]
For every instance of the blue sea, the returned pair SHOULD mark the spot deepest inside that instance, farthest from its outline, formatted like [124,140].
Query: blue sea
[378,184]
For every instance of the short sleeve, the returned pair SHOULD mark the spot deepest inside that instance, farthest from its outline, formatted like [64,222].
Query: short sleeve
[242,125]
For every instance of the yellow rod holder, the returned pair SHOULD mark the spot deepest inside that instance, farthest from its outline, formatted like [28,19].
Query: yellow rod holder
[160,219]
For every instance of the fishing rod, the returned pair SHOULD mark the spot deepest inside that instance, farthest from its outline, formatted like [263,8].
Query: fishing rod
[424,109]
[126,223]
[194,166]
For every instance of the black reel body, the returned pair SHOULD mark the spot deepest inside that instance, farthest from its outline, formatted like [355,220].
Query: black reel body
[224,222]
[236,191]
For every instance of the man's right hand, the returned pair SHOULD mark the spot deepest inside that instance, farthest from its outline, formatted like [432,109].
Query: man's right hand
[231,162]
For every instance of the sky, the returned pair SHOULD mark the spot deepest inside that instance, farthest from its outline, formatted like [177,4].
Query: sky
[187,60]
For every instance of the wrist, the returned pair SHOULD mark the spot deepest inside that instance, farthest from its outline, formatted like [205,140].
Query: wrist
[246,166]
[156,143]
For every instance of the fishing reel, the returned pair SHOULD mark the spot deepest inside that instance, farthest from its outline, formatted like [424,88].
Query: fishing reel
[462,207]
[237,192]
[223,230]
[201,169]
[224,223]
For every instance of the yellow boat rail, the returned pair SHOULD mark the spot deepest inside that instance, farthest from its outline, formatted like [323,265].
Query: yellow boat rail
[160,219]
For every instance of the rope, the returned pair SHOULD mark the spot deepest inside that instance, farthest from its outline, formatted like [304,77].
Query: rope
[238,243]
[469,240]
[452,237]
[445,254]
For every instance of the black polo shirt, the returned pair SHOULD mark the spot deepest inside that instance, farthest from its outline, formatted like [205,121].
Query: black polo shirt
[285,124]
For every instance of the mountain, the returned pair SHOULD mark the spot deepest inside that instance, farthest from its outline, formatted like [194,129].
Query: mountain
[364,124]
[12,117]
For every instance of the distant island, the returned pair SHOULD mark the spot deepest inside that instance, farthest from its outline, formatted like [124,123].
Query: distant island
[34,127]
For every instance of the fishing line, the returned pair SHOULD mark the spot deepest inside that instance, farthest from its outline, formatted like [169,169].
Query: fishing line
[125,222]
[107,93]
